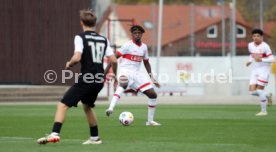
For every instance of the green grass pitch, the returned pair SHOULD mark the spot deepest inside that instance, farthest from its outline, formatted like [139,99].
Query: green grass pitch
[185,128]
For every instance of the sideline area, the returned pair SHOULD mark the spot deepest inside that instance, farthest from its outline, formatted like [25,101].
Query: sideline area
[231,100]
[37,94]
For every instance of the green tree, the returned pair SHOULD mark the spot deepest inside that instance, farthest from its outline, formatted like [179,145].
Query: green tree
[272,40]
[271,15]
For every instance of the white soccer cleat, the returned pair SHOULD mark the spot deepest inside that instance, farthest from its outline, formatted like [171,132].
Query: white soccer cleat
[108,112]
[261,114]
[152,123]
[93,142]
[47,139]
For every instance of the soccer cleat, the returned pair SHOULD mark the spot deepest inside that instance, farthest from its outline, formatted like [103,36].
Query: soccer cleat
[261,114]
[93,142]
[47,139]
[108,112]
[269,99]
[152,123]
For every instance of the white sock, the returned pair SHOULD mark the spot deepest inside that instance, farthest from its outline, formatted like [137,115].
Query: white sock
[55,134]
[94,138]
[151,109]
[119,91]
[263,99]
[263,106]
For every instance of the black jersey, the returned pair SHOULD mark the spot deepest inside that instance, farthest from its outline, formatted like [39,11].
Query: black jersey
[94,48]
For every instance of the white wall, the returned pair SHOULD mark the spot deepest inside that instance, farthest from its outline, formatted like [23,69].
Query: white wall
[205,75]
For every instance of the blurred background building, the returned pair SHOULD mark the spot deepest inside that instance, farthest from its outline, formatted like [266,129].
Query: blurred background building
[37,36]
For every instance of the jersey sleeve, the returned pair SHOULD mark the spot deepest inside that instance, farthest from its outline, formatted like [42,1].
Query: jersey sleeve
[78,42]
[109,50]
[146,55]
[248,48]
[123,50]
[251,59]
[268,51]
[268,55]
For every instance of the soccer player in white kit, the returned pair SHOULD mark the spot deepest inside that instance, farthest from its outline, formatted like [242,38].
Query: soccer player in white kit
[132,54]
[261,59]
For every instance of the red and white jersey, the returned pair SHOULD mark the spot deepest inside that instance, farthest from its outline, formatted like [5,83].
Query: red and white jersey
[132,55]
[262,50]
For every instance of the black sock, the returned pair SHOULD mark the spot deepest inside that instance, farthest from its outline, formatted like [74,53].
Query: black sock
[94,131]
[57,127]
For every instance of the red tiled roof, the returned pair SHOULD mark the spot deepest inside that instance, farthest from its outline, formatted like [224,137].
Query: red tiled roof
[176,19]
[269,27]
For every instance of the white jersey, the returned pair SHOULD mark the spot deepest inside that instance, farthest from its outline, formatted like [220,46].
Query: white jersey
[132,56]
[262,50]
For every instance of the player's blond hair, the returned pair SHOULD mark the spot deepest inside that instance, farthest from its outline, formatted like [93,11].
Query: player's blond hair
[88,17]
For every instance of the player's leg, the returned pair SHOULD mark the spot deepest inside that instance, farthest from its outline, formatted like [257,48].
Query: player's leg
[123,83]
[59,119]
[253,90]
[92,122]
[263,100]
[88,102]
[253,84]
[142,84]
[264,77]
[263,96]
[71,98]
[152,96]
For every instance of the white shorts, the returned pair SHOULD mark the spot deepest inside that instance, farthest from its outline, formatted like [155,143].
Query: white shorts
[260,76]
[137,81]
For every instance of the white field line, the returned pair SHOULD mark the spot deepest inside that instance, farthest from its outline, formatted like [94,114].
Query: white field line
[15,138]
[7,138]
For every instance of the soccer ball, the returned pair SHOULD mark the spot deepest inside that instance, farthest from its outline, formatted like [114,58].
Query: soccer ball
[126,118]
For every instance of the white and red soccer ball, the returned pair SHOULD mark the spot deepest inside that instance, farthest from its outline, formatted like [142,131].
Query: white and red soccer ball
[126,118]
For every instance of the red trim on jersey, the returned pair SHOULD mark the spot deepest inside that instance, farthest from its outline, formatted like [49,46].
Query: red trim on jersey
[119,53]
[268,55]
[142,86]
[117,95]
[263,55]
[151,106]
[134,58]
[262,81]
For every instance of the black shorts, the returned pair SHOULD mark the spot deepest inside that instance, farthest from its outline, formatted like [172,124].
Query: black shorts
[86,93]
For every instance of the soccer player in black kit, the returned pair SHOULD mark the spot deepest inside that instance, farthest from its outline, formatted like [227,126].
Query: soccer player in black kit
[90,49]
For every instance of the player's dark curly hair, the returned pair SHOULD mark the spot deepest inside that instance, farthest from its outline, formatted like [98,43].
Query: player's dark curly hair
[258,31]
[137,27]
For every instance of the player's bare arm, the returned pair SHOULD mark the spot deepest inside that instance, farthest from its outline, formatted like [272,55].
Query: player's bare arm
[106,70]
[148,68]
[113,61]
[74,60]
[113,64]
